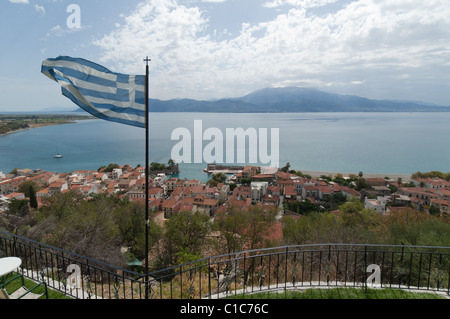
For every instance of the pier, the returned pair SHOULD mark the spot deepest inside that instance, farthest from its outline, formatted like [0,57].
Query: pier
[215,168]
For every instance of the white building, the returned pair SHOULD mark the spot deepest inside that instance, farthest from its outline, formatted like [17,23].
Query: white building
[160,179]
[378,204]
[4,201]
[258,190]
[116,172]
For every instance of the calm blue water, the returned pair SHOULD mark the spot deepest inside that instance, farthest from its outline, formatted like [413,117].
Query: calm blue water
[338,142]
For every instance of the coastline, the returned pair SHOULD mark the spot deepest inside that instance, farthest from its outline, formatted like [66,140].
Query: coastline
[404,177]
[32,126]
[55,120]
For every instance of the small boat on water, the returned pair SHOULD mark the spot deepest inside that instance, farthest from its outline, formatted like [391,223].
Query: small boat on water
[58,155]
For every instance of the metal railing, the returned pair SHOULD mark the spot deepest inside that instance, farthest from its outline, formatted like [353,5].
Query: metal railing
[271,269]
[72,274]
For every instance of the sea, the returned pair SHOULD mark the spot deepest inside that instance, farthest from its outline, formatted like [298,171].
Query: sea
[379,143]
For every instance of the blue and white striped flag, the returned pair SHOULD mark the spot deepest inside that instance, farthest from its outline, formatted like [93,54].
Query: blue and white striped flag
[107,95]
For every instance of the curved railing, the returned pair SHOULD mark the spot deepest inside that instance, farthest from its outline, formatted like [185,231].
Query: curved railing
[303,266]
[271,269]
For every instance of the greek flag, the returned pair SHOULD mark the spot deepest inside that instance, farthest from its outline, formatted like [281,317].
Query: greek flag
[107,95]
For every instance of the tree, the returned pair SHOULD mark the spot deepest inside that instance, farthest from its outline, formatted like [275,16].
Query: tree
[219,177]
[337,198]
[412,227]
[108,168]
[361,224]
[258,225]
[231,223]
[60,205]
[186,232]
[33,199]
[304,207]
[155,166]
[87,227]
[285,168]
[361,184]
[313,228]
[248,227]
[129,217]
[25,188]
[354,205]
[17,218]
[433,210]
[171,163]
[18,207]
[216,179]
[212,183]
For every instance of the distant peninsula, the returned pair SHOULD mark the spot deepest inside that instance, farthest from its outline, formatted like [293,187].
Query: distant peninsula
[292,100]
[18,122]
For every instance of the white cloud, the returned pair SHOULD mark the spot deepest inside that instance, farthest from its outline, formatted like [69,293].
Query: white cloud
[58,31]
[161,28]
[39,9]
[299,3]
[19,1]
[367,42]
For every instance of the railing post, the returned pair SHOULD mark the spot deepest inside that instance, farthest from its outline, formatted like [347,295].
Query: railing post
[448,283]
[286,269]
[209,277]
[181,282]
[429,271]
[41,264]
[14,247]
[328,265]
[420,271]
[410,269]
[365,268]
[320,266]
[245,278]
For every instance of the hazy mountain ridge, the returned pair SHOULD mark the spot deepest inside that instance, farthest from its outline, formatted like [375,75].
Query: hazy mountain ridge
[292,99]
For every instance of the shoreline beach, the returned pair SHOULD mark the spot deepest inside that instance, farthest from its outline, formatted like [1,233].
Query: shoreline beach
[404,177]
[55,120]
[33,126]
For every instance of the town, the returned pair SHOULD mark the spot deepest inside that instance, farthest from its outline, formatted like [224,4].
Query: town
[281,188]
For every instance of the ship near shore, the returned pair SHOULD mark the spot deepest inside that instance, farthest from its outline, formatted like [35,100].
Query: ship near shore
[225,169]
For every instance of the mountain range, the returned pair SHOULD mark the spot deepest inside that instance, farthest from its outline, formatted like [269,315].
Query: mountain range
[292,99]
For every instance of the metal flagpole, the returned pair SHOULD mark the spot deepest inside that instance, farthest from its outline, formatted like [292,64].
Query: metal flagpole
[147,221]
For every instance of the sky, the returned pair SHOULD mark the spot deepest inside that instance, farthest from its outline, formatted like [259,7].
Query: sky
[208,49]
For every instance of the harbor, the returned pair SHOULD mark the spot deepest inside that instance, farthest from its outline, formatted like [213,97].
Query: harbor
[225,169]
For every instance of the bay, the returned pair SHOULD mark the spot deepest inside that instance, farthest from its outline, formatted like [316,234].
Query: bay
[388,143]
